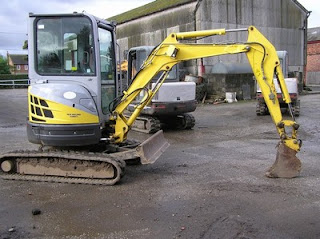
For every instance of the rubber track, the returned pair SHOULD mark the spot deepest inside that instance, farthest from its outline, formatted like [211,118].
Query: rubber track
[190,121]
[118,165]
[153,122]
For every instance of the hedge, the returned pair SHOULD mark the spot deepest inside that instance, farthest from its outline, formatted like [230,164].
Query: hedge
[13,77]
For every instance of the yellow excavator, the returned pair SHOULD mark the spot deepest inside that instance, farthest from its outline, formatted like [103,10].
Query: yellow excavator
[76,112]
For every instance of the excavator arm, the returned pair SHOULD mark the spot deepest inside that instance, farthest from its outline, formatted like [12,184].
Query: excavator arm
[264,61]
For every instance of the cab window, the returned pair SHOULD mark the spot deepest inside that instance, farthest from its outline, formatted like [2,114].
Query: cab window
[65,46]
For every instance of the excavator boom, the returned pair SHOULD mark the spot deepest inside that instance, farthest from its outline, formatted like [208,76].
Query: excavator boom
[264,62]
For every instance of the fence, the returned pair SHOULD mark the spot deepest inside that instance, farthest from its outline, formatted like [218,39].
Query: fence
[21,83]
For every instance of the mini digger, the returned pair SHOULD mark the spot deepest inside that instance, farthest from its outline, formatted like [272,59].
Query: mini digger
[172,105]
[76,107]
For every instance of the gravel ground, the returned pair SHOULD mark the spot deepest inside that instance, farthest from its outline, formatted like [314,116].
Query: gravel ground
[209,184]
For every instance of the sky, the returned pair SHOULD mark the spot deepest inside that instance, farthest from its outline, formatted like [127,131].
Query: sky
[14,15]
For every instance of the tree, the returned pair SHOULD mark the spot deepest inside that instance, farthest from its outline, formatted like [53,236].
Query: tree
[25,45]
[4,68]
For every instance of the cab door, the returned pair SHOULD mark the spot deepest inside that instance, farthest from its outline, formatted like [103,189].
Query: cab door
[108,72]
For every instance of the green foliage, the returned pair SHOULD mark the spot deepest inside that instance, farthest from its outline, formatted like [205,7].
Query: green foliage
[4,68]
[25,45]
[13,77]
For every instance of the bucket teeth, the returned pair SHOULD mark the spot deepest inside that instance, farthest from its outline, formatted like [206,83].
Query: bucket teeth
[287,165]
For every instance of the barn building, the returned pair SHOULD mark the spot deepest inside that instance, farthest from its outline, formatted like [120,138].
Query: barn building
[283,22]
[313,63]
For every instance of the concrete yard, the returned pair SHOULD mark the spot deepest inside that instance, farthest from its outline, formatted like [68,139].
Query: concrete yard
[209,184]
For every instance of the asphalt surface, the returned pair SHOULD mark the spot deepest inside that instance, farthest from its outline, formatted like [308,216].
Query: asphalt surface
[210,183]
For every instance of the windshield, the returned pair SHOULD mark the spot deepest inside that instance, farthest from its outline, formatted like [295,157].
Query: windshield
[65,46]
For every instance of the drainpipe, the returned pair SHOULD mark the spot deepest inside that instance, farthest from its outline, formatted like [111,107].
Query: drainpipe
[195,14]
[305,45]
[201,67]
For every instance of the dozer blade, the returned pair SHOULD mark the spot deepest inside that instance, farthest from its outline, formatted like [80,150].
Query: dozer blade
[287,165]
[152,148]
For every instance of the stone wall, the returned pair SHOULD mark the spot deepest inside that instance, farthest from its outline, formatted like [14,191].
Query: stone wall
[219,84]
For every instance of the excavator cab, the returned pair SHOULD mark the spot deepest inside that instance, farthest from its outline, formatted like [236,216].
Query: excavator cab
[72,69]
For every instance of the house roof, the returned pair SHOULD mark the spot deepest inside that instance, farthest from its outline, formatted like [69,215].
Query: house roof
[19,59]
[314,34]
[150,8]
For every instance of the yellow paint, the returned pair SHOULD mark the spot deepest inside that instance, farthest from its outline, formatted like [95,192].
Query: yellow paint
[262,57]
[62,114]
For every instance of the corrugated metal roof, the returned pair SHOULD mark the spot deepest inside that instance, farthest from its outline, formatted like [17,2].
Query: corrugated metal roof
[150,8]
[314,34]
[19,59]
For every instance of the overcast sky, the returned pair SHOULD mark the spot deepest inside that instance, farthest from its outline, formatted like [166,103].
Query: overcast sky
[14,15]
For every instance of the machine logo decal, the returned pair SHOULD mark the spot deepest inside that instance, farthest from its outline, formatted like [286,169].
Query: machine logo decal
[69,95]
[74,115]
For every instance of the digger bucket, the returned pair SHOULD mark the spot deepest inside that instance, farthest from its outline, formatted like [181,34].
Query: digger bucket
[287,165]
[152,148]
